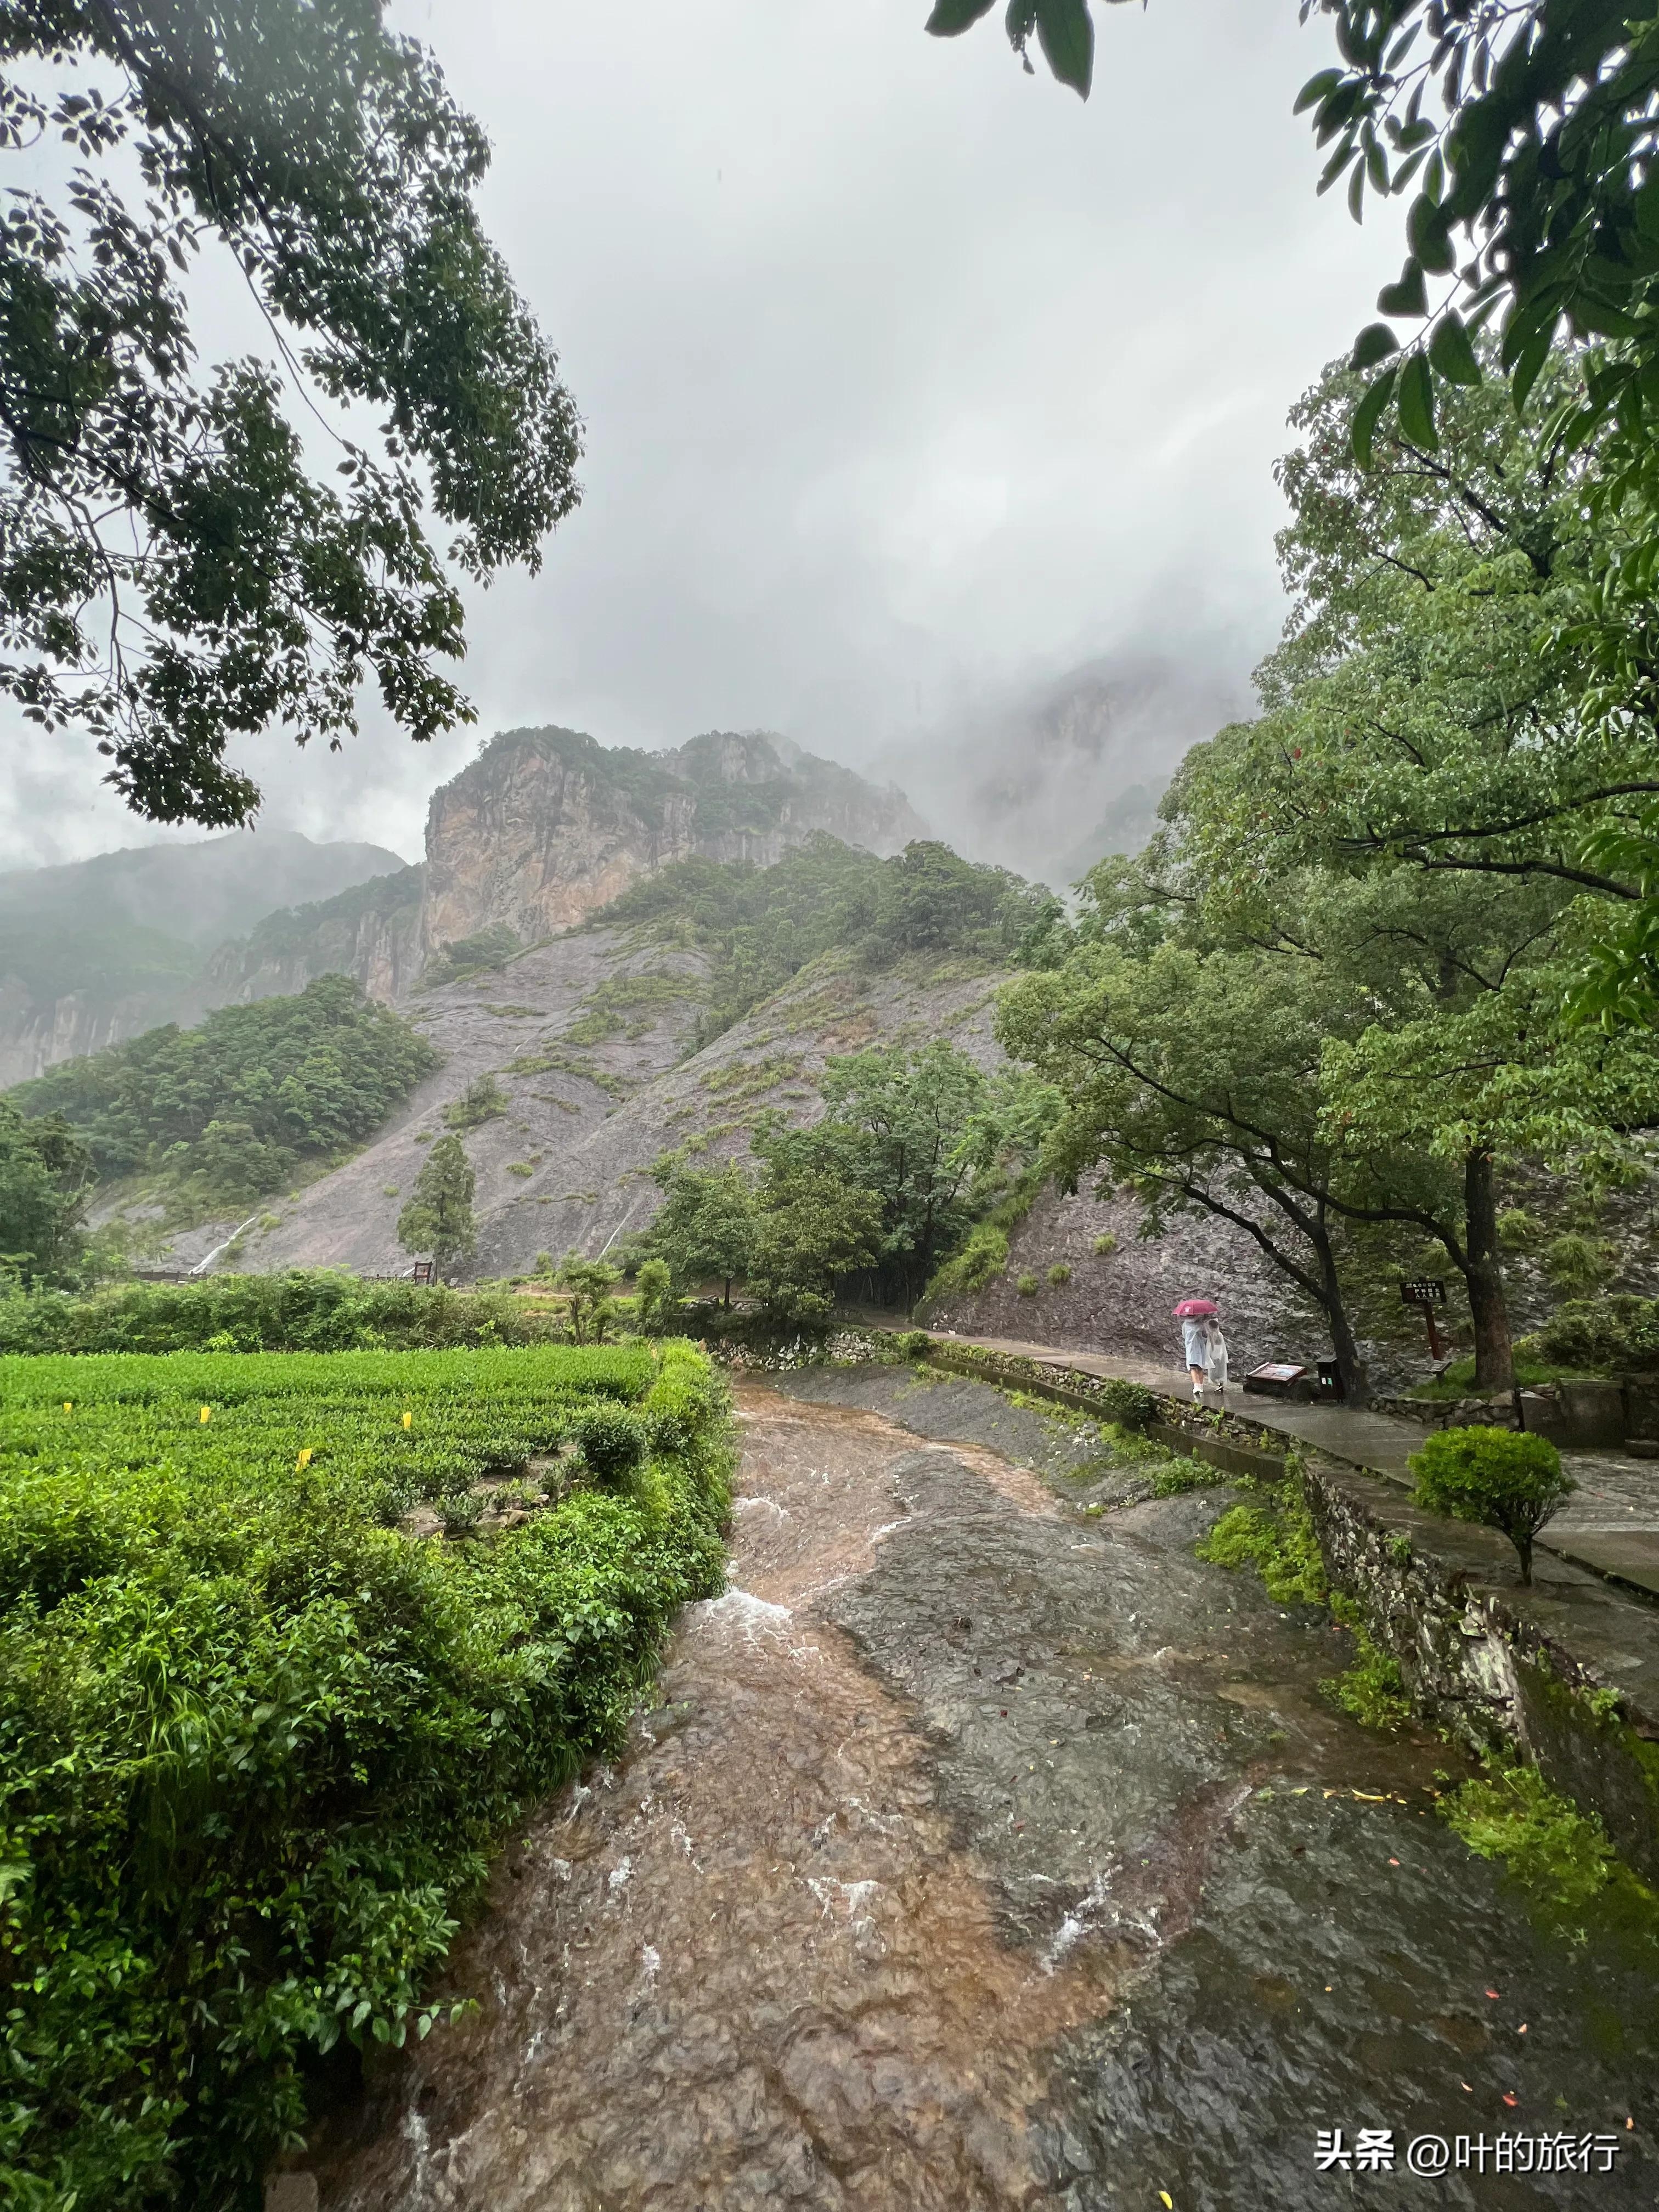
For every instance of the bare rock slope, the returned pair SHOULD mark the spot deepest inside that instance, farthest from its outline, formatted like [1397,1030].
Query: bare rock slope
[587,1037]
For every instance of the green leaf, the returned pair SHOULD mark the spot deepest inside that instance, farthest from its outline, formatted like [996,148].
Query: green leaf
[949,17]
[1316,89]
[1451,353]
[1409,296]
[1367,416]
[1357,192]
[1428,233]
[1417,402]
[1528,366]
[1374,343]
[1067,35]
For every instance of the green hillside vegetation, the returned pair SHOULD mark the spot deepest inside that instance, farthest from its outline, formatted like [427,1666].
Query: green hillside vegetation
[221,1114]
[294,929]
[261,1738]
[763,925]
[102,961]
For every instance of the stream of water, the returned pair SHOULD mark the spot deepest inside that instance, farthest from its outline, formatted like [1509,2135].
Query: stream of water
[975,1857]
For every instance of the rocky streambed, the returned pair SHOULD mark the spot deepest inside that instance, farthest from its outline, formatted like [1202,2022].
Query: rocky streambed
[979,1856]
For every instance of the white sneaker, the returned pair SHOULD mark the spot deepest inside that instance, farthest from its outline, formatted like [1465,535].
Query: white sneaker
[1198,1394]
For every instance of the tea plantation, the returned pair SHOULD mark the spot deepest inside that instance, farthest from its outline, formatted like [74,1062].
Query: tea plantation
[261,1722]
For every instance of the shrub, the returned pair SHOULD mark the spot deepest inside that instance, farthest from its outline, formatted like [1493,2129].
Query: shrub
[1278,1540]
[981,1261]
[1612,1335]
[1577,1264]
[1131,1405]
[483,1100]
[913,1344]
[1105,1244]
[654,1290]
[612,1441]
[461,1512]
[588,1284]
[1504,1481]
[1027,1286]
[520,1168]
[1517,1229]
[1059,1273]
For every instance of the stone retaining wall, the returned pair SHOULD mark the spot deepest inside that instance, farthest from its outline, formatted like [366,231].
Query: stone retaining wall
[1567,1674]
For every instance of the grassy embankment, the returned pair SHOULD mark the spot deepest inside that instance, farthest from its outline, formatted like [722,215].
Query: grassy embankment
[257,1738]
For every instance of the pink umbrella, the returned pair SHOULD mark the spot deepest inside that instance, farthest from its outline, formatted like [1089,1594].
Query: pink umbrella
[1196,1309]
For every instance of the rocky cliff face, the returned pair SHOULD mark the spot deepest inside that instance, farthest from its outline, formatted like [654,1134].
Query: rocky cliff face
[546,825]
[372,932]
[543,828]
[37,1033]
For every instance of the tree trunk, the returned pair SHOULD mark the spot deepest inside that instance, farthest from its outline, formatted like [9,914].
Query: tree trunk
[1356,1383]
[1494,1358]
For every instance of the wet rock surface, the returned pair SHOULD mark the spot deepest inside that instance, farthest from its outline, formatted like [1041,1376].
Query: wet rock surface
[979,1856]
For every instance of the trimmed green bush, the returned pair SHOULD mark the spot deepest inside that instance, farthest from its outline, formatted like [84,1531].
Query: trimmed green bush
[1027,1286]
[1131,1405]
[1105,1244]
[1059,1273]
[913,1344]
[612,1441]
[1502,1480]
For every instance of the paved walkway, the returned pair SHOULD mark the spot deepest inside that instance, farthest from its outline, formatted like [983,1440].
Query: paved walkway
[1610,1525]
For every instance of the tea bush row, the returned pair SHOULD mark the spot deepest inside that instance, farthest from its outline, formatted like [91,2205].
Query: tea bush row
[256,1746]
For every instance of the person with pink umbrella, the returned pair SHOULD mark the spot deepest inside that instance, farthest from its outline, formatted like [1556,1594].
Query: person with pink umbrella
[1204,1345]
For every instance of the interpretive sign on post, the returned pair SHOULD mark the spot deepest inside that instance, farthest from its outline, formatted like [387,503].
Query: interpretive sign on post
[1427,1292]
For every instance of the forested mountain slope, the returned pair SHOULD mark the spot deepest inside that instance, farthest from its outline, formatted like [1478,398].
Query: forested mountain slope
[101,949]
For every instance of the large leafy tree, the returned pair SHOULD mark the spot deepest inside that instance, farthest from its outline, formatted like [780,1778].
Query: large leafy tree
[1526,132]
[706,1229]
[176,569]
[46,1176]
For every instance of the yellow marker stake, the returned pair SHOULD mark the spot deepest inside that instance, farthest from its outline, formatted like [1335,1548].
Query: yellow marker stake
[305,1457]
[207,1413]
[69,1404]
[408,1420]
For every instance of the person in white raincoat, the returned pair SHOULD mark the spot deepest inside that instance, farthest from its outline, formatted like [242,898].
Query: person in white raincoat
[1206,1353]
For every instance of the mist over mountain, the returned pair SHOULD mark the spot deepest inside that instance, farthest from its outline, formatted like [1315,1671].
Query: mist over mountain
[1047,780]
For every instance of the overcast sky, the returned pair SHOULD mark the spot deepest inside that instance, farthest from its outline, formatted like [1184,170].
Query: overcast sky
[910,381]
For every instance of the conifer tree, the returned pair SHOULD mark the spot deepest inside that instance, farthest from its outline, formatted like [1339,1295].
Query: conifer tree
[438,1218]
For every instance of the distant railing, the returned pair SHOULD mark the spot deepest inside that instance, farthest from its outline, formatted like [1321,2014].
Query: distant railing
[422,1272]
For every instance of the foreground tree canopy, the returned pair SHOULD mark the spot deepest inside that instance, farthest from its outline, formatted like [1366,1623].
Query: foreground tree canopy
[1330,1001]
[174,570]
[1527,130]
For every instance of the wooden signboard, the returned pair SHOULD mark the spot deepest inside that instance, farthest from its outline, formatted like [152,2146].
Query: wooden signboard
[1427,1292]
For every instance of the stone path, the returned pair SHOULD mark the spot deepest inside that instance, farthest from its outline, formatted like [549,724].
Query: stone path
[1611,1525]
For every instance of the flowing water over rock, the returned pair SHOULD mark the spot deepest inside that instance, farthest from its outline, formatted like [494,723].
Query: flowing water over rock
[978,1856]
